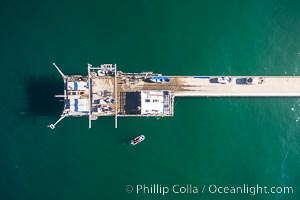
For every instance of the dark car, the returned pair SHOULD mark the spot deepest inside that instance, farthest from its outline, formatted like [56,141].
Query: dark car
[243,81]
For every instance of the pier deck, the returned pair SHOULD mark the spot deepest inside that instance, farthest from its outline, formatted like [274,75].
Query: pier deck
[108,92]
[191,86]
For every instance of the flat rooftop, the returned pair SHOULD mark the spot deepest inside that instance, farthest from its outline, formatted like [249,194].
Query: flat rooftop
[155,102]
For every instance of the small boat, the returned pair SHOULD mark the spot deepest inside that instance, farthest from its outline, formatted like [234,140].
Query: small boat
[137,140]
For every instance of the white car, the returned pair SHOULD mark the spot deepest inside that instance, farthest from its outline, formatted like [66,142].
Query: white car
[224,80]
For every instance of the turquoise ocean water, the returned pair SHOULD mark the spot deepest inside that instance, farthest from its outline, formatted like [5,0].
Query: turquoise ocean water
[220,141]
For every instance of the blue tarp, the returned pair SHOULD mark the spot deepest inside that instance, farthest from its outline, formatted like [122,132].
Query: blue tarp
[76,105]
[159,79]
[75,86]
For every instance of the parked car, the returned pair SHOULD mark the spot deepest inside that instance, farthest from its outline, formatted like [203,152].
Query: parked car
[224,80]
[247,81]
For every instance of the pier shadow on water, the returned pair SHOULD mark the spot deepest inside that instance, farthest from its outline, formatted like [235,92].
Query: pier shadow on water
[40,91]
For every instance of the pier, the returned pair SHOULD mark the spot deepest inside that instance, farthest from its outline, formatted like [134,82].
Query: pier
[262,86]
[108,92]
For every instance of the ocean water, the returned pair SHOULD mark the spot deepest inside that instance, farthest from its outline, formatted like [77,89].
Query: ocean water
[209,141]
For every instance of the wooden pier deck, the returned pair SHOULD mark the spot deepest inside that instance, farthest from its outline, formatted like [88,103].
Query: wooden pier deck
[193,86]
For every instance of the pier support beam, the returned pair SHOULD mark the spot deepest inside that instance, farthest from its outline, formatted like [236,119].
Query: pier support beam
[90,95]
[116,98]
[52,126]
[62,74]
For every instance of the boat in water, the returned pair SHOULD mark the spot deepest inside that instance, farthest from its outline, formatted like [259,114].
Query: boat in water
[137,140]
